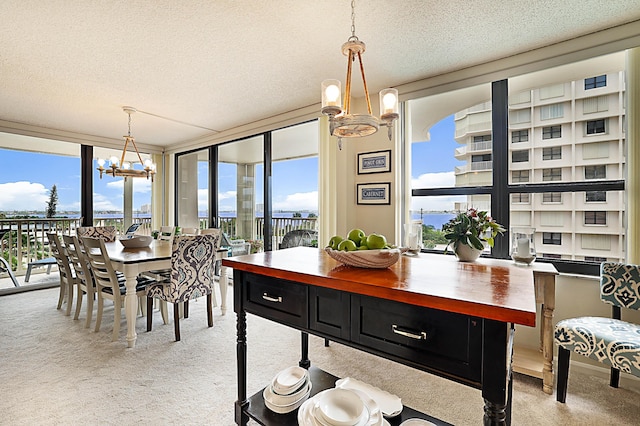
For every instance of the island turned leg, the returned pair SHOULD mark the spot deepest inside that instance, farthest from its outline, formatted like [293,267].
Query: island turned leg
[241,355]
[241,404]
[495,374]
[304,346]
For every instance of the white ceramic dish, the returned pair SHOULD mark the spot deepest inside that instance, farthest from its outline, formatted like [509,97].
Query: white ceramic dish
[389,404]
[136,241]
[306,412]
[283,409]
[286,400]
[416,422]
[289,379]
[340,407]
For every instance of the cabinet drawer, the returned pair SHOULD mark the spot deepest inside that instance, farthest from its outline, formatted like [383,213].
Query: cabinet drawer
[279,300]
[330,312]
[444,341]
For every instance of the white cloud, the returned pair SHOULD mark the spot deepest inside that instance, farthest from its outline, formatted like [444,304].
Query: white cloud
[103,203]
[140,185]
[226,201]
[435,180]
[23,196]
[298,201]
[226,195]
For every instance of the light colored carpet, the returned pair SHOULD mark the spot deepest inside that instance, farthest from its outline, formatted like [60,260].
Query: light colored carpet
[55,372]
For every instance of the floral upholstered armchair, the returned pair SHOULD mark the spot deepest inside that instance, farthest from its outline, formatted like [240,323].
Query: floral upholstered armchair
[192,265]
[610,341]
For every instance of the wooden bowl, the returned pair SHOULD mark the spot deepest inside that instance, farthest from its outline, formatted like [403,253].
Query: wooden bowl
[366,258]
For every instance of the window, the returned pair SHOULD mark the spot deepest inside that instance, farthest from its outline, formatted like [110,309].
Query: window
[520,176]
[482,138]
[549,175]
[519,136]
[595,104]
[522,198]
[595,259]
[595,127]
[593,82]
[480,158]
[549,112]
[553,153]
[552,197]
[520,156]
[595,218]
[595,172]
[595,196]
[551,256]
[552,132]
[553,238]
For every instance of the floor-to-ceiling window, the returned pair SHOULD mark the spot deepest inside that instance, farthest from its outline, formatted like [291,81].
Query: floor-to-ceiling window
[560,159]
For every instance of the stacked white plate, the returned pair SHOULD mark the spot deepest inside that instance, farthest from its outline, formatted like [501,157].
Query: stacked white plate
[288,390]
[340,407]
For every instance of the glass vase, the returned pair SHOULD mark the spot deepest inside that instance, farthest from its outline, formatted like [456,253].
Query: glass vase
[523,245]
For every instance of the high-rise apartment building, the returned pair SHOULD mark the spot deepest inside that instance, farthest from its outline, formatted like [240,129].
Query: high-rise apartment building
[566,132]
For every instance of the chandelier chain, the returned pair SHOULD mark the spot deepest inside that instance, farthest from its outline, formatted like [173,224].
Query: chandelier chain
[353,21]
[129,123]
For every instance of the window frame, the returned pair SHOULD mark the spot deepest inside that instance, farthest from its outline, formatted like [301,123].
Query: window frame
[552,132]
[595,217]
[500,190]
[595,82]
[552,153]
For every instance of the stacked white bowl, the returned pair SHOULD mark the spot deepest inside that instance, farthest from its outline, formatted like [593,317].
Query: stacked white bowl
[340,407]
[288,390]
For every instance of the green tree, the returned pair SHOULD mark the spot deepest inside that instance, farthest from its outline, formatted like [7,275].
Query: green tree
[432,237]
[312,215]
[52,204]
[297,214]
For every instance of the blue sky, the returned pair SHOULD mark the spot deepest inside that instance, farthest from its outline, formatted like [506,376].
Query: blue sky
[26,179]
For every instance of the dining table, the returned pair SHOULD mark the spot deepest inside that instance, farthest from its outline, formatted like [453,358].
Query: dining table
[133,261]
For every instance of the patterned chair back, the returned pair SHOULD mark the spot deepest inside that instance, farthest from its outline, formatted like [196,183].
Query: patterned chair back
[192,265]
[620,285]
[106,233]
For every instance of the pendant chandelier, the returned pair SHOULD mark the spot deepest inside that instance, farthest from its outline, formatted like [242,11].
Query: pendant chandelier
[125,168]
[342,123]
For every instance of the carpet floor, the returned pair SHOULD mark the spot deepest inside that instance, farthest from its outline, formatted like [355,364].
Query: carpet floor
[53,371]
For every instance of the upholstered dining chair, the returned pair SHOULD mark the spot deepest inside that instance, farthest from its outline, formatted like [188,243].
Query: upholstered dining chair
[107,284]
[82,270]
[67,277]
[611,341]
[192,263]
[106,233]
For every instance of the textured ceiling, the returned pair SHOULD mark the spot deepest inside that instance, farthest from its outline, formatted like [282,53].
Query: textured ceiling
[196,67]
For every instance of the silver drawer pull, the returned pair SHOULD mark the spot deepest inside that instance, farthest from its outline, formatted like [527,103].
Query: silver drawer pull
[397,330]
[266,296]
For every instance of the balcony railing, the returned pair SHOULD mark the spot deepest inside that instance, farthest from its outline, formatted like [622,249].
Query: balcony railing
[25,240]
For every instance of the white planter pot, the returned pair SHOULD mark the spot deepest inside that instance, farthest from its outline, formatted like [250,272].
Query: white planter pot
[466,253]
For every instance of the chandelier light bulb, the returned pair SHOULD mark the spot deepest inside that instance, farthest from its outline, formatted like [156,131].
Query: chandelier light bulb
[147,163]
[114,160]
[389,102]
[101,162]
[126,165]
[333,94]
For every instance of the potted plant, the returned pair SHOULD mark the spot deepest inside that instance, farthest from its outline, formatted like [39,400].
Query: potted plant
[468,232]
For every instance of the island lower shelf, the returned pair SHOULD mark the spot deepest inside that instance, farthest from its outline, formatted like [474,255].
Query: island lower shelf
[258,411]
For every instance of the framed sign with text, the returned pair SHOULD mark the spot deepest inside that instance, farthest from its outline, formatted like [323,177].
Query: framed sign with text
[374,162]
[373,193]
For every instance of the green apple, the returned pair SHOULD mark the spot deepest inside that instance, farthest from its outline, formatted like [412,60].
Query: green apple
[376,241]
[335,241]
[347,245]
[363,248]
[356,235]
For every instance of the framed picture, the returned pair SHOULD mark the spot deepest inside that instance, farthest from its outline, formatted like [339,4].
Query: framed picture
[373,193]
[374,162]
